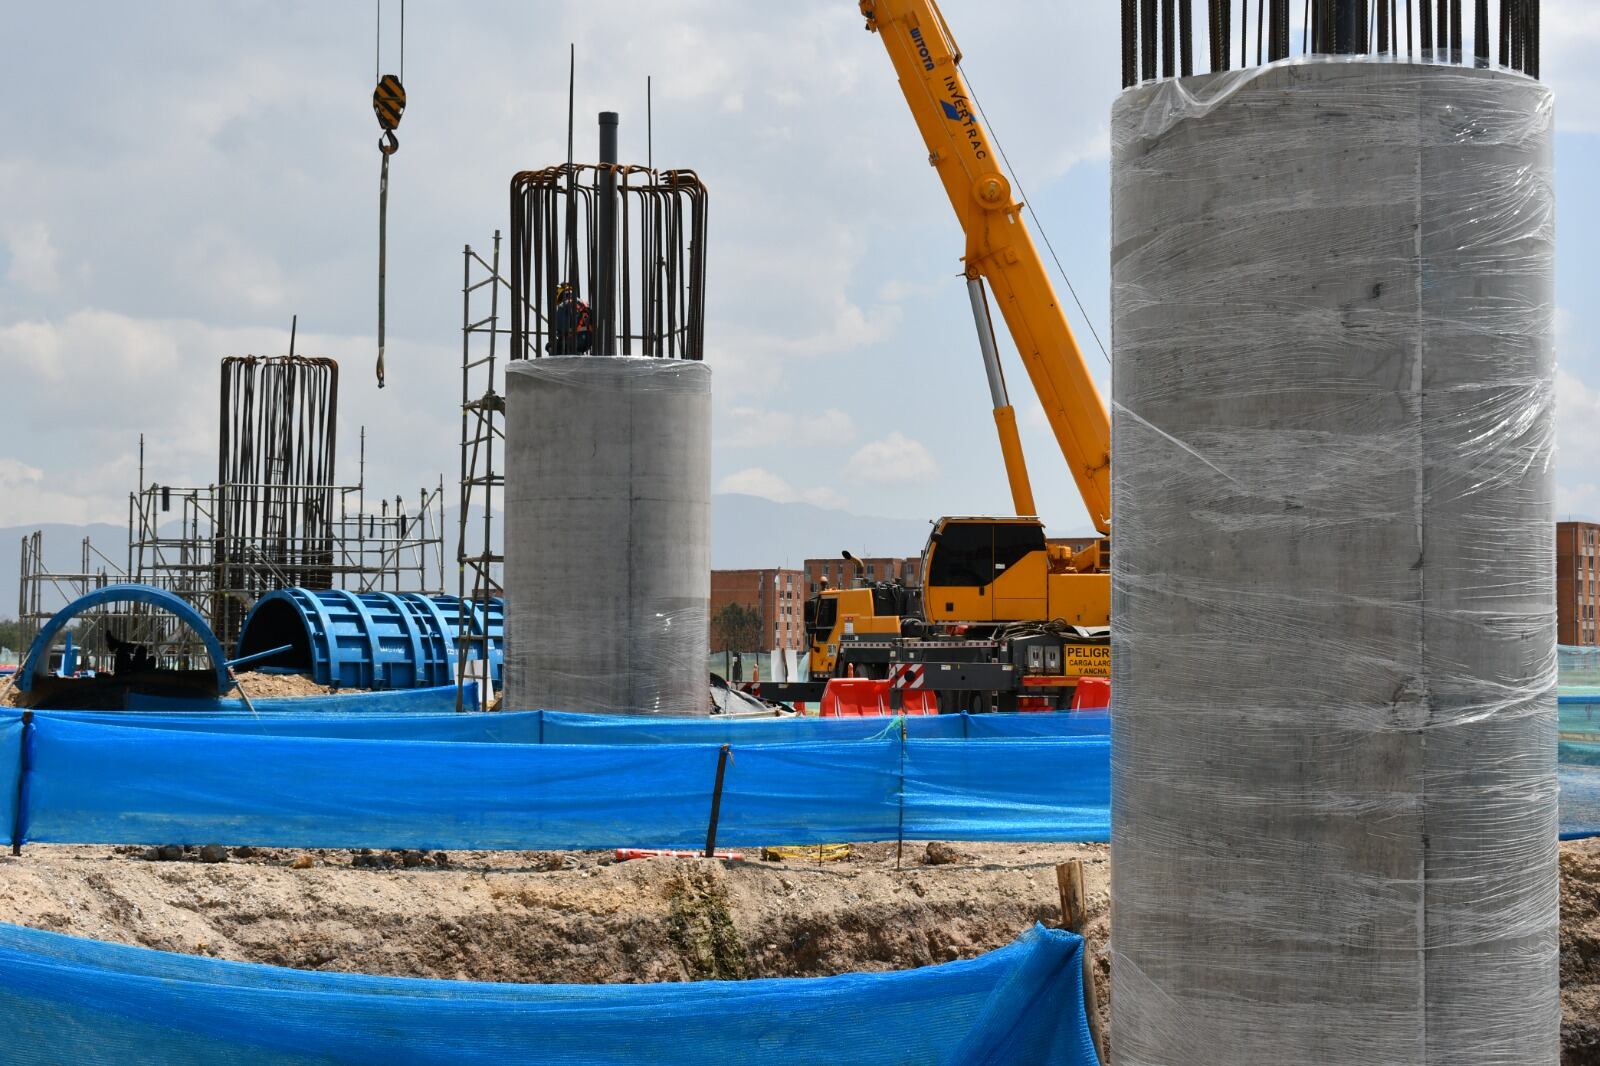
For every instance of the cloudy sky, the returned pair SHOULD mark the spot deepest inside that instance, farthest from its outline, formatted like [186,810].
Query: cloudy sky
[178,179]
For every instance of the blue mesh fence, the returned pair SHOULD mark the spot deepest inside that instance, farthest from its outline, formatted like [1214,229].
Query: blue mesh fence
[557,727]
[1577,665]
[521,728]
[64,999]
[487,781]
[1579,717]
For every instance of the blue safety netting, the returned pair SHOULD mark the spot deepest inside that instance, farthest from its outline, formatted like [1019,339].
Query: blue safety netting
[487,781]
[65,999]
[1579,716]
[557,727]
[520,728]
[1580,798]
[1577,665]
[403,715]
[94,783]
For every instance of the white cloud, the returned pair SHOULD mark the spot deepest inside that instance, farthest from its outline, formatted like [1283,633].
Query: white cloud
[27,494]
[759,481]
[33,257]
[895,459]
[230,273]
[1578,446]
[744,426]
[1570,39]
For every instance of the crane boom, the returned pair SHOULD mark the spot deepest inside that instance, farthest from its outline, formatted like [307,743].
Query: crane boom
[999,248]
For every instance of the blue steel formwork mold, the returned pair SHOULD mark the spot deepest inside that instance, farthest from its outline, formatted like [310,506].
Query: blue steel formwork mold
[39,652]
[370,640]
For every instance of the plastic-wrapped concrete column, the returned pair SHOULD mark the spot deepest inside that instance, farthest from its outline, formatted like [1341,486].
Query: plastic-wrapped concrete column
[608,518]
[1334,790]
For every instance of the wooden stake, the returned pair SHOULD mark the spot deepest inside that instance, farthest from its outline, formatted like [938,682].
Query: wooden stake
[1075,919]
[1074,910]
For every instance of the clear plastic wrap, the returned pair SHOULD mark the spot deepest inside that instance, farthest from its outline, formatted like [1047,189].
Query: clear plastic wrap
[608,535]
[1334,803]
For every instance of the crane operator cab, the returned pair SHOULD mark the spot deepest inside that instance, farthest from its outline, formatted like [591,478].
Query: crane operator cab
[883,609]
[979,570]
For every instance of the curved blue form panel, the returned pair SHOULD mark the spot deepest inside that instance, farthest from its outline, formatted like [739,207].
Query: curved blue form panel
[369,640]
[39,653]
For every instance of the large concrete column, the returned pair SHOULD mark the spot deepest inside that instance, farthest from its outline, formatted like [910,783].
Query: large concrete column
[1334,790]
[608,519]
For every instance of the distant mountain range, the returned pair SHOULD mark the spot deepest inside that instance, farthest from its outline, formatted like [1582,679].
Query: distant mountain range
[62,547]
[747,532]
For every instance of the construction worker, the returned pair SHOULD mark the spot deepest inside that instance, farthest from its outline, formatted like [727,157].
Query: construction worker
[569,326]
[738,668]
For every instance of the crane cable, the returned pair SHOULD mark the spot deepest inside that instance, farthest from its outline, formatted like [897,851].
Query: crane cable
[1028,203]
[388,103]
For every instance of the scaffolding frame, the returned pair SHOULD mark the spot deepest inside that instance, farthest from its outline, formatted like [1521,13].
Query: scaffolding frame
[479,575]
[390,549]
[42,592]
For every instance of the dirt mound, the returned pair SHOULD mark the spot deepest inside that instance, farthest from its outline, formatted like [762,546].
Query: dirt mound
[1580,953]
[260,686]
[582,917]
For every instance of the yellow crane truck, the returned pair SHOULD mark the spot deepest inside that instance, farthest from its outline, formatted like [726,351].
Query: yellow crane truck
[1006,620]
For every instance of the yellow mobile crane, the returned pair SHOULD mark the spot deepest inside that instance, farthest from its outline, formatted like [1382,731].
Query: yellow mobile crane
[992,582]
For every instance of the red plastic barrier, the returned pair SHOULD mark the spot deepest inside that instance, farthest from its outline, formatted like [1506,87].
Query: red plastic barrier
[864,697]
[855,697]
[1092,694]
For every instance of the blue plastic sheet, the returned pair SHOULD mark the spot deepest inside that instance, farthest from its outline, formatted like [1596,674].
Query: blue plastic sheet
[64,999]
[1014,789]
[521,728]
[1580,801]
[11,741]
[106,784]
[557,727]
[485,781]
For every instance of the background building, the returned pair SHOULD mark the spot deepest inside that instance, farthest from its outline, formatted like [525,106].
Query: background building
[778,598]
[1577,582]
[843,574]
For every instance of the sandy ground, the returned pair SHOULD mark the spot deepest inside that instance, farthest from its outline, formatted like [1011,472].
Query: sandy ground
[581,917]
[259,685]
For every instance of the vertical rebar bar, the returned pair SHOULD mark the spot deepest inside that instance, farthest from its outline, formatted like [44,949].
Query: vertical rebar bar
[1185,37]
[1130,43]
[1224,28]
[1533,38]
[1147,40]
[1169,38]
[603,308]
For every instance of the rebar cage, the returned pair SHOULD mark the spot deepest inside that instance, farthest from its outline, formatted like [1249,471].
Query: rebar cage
[560,232]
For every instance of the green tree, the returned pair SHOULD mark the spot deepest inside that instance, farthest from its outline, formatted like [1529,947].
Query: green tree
[736,627]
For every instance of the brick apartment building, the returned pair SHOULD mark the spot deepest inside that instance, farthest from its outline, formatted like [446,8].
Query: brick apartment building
[842,574]
[777,595]
[908,571]
[1577,582]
